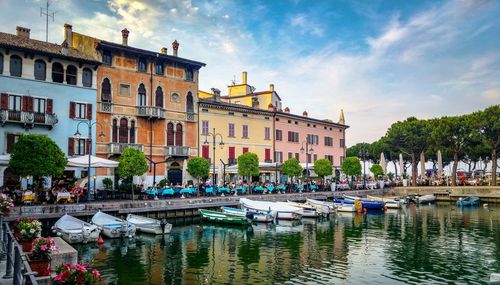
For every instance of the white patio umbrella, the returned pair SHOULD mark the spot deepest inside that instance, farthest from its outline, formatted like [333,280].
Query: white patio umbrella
[185,173]
[440,164]
[383,163]
[422,165]
[401,165]
[83,161]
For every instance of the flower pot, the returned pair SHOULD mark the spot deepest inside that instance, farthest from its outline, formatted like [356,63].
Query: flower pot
[27,245]
[17,235]
[405,182]
[42,266]
[6,213]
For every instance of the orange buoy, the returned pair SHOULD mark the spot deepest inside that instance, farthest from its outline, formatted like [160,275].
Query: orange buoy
[100,240]
[385,208]
[364,210]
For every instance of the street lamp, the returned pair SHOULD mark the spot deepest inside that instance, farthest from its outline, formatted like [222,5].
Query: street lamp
[89,124]
[308,150]
[214,135]
[362,153]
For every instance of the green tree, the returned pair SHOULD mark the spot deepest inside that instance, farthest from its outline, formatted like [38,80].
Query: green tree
[356,149]
[351,166]
[488,123]
[377,170]
[291,167]
[248,165]
[132,163]
[37,156]
[323,167]
[198,167]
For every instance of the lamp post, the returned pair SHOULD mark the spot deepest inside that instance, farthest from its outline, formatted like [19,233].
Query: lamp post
[307,151]
[214,135]
[362,153]
[89,124]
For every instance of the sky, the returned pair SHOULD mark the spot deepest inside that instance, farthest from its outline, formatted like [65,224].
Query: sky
[379,61]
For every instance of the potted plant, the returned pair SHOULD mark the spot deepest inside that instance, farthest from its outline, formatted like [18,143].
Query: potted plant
[5,204]
[76,274]
[39,258]
[28,229]
[405,179]
[108,183]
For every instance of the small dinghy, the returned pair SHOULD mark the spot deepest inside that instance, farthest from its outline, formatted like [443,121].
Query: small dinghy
[74,230]
[323,205]
[149,225]
[255,216]
[308,211]
[283,211]
[424,199]
[390,203]
[224,218]
[342,207]
[113,227]
[468,201]
[367,204]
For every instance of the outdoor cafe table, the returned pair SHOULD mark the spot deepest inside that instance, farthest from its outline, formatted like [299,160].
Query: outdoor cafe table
[300,187]
[241,189]
[167,191]
[313,187]
[189,190]
[343,186]
[225,189]
[152,192]
[258,188]
[270,188]
[209,190]
[281,187]
[63,196]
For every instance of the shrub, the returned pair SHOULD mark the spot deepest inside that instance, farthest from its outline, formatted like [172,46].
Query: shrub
[28,228]
[43,247]
[76,274]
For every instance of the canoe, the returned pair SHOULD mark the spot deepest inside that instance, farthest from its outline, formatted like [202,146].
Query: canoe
[324,206]
[148,225]
[308,211]
[113,227]
[74,230]
[367,204]
[267,217]
[283,211]
[468,201]
[225,218]
[389,203]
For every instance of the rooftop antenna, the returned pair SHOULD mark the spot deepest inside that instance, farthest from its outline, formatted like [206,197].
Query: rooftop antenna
[234,80]
[48,14]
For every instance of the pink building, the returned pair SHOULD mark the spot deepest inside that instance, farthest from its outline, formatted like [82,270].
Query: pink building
[324,137]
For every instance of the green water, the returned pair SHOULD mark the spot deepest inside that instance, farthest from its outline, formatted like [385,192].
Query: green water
[427,244]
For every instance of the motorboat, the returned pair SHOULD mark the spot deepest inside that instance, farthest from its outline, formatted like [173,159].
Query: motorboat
[74,230]
[308,211]
[365,203]
[468,201]
[149,225]
[426,199]
[256,216]
[343,207]
[283,211]
[390,203]
[113,227]
[323,205]
[224,218]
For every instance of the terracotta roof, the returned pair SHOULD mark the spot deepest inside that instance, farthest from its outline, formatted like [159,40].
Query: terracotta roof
[21,43]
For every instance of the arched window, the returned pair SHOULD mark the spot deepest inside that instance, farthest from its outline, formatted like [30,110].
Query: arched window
[178,135]
[105,90]
[159,97]
[57,72]
[16,66]
[123,132]
[189,103]
[170,134]
[71,75]
[142,95]
[132,132]
[1,63]
[115,130]
[87,77]
[40,70]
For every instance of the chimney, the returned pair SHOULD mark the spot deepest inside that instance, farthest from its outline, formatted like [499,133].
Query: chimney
[304,113]
[287,110]
[163,50]
[271,87]
[68,34]
[244,77]
[64,47]
[23,32]
[125,33]
[175,47]
[216,94]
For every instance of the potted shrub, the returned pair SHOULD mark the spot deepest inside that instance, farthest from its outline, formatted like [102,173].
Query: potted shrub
[405,179]
[76,274]
[28,229]
[5,204]
[39,258]
[108,183]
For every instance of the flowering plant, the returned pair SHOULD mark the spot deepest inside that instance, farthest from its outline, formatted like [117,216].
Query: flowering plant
[28,228]
[5,203]
[43,247]
[76,274]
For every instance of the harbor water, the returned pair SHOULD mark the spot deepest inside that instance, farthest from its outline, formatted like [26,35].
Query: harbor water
[438,244]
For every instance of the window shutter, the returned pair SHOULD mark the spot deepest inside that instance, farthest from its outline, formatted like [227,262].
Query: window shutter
[204,151]
[89,111]
[30,103]
[5,101]
[245,149]
[49,106]
[71,146]
[11,138]
[87,146]
[231,152]
[72,106]
[24,104]
[268,154]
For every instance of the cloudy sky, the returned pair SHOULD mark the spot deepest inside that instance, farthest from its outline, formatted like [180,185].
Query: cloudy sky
[380,61]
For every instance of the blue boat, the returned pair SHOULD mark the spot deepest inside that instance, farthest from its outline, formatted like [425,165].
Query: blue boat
[367,204]
[468,201]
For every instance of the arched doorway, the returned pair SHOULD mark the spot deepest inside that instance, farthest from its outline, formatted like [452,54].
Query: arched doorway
[10,179]
[174,174]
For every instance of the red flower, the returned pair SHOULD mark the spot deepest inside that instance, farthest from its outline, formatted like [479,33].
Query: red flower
[80,268]
[80,278]
[96,273]
[61,278]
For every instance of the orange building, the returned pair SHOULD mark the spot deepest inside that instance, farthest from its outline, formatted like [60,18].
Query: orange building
[145,100]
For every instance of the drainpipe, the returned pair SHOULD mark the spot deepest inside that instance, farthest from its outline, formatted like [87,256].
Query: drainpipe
[274,149]
[151,126]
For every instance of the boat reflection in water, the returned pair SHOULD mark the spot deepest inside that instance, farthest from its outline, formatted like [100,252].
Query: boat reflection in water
[418,244]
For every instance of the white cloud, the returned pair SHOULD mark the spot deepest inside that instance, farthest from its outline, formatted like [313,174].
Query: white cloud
[306,25]
[492,95]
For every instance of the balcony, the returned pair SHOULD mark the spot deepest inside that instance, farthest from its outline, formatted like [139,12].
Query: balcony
[118,148]
[106,107]
[28,119]
[150,112]
[191,117]
[177,151]
[232,161]
[268,161]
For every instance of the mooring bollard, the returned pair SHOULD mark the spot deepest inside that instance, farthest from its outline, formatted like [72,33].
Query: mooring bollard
[163,224]
[8,265]
[17,267]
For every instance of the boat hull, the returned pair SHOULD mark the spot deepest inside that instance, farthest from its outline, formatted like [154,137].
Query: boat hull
[283,212]
[251,215]
[223,218]
[342,207]
[369,205]
[468,202]
[74,230]
[323,206]
[148,225]
[113,227]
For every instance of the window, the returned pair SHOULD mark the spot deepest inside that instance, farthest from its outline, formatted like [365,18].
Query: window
[124,90]
[279,135]
[245,149]
[204,127]
[87,77]
[232,154]
[308,158]
[293,137]
[159,68]
[57,72]
[230,113]
[71,75]
[277,119]
[159,97]
[205,152]
[132,132]
[204,110]
[115,130]
[123,131]
[14,103]
[267,154]
[170,134]
[80,146]
[328,141]
[1,63]
[278,156]
[107,58]
[297,156]
[39,105]
[80,110]
[245,115]
[16,66]
[267,133]
[40,69]
[289,121]
[312,139]
[11,140]
[189,103]
[342,142]
[245,131]
[290,155]
[315,157]
[189,74]
[329,158]
[231,130]
[296,122]
[141,94]
[142,66]
[178,135]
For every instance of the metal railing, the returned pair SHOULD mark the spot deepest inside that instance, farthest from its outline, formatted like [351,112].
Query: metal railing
[151,112]
[28,118]
[172,150]
[17,267]
[106,107]
[118,148]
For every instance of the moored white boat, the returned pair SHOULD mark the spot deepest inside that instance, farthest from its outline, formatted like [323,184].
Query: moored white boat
[389,203]
[256,216]
[113,227]
[426,199]
[341,207]
[308,211]
[148,225]
[283,211]
[74,230]
[323,205]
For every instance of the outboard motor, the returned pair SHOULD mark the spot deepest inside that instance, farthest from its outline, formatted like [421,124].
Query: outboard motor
[163,224]
[249,215]
[123,229]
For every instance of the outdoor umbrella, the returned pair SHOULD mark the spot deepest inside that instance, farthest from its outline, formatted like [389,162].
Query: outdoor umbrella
[383,163]
[440,164]
[401,168]
[422,165]
[83,161]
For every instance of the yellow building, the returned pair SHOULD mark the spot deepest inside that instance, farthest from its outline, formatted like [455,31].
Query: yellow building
[242,129]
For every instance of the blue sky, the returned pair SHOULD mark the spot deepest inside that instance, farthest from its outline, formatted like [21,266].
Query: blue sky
[380,61]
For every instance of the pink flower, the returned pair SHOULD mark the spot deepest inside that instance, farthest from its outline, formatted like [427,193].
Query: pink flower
[43,247]
[96,273]
[80,268]
[62,277]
